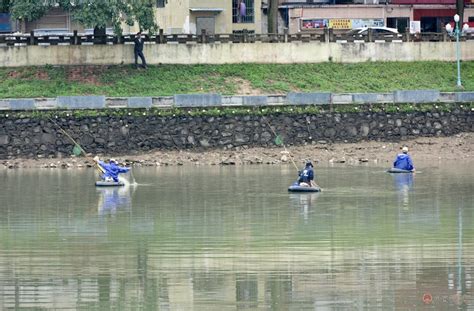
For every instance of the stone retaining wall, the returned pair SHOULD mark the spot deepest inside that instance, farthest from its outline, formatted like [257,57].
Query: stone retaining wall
[37,136]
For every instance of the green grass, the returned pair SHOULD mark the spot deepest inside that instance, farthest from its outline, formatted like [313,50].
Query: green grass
[49,81]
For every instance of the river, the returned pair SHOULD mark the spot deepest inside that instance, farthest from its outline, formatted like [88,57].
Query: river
[227,238]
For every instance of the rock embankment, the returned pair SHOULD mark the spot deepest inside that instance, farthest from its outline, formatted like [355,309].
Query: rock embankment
[36,137]
[457,147]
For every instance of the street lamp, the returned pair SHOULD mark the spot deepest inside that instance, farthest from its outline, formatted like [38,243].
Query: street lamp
[457,33]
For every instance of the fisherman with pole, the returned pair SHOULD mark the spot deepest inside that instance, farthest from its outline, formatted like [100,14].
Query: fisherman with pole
[111,169]
[109,172]
[306,176]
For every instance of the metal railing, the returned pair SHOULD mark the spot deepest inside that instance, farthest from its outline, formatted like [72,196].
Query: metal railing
[327,35]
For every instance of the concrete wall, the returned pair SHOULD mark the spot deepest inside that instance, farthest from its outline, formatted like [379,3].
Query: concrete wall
[282,53]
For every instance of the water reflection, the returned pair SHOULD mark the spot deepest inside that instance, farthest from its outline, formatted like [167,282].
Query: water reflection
[113,200]
[404,184]
[205,239]
[306,202]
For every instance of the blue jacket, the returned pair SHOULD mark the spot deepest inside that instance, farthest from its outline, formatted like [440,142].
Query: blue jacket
[112,170]
[306,175]
[403,162]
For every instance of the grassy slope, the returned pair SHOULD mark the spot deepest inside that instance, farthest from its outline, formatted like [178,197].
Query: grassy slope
[51,81]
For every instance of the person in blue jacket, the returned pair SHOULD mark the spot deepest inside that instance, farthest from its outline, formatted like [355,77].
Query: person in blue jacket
[306,176]
[403,161]
[111,170]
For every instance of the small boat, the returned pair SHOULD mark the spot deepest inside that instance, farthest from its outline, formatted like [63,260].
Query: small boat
[398,170]
[103,183]
[297,188]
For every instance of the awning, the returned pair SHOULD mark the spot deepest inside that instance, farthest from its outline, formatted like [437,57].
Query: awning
[212,10]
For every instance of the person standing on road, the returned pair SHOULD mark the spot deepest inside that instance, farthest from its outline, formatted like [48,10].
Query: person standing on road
[138,50]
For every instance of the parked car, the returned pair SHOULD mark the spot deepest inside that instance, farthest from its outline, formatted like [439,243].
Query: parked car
[384,31]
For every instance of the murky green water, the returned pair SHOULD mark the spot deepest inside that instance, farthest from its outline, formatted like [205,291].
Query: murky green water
[226,238]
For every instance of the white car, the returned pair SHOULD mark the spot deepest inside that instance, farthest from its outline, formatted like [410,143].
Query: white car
[381,34]
[385,31]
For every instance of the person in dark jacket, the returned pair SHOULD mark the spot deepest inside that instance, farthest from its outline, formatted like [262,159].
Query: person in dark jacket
[111,170]
[403,161]
[138,50]
[306,176]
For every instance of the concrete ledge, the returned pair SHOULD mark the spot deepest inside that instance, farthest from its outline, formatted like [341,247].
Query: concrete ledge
[465,97]
[164,101]
[216,100]
[342,98]
[232,101]
[81,102]
[254,100]
[276,99]
[46,103]
[372,98]
[197,100]
[4,105]
[416,96]
[116,102]
[139,102]
[308,98]
[22,104]
[447,97]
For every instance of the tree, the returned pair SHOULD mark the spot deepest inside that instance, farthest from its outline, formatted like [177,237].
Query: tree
[273,16]
[4,6]
[92,13]
[28,9]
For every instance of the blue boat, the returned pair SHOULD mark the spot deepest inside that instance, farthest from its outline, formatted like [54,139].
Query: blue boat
[295,187]
[397,170]
[103,183]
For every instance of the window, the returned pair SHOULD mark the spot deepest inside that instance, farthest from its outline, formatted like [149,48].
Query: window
[161,3]
[471,19]
[243,13]
[401,23]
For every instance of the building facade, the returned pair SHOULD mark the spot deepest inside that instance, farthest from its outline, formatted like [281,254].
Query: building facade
[298,16]
[213,16]
[430,15]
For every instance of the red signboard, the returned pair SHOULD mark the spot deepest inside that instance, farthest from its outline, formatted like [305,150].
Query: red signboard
[423,1]
[418,14]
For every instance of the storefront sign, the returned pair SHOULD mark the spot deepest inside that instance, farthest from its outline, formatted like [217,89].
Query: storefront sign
[340,23]
[5,25]
[360,23]
[415,27]
[314,23]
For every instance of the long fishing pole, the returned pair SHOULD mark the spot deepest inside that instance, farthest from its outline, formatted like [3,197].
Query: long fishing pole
[282,143]
[76,144]
[313,183]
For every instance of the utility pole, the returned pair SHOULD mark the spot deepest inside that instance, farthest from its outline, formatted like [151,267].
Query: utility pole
[273,16]
[460,9]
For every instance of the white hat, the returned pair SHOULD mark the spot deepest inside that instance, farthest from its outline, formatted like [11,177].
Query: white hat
[405,149]
[113,160]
